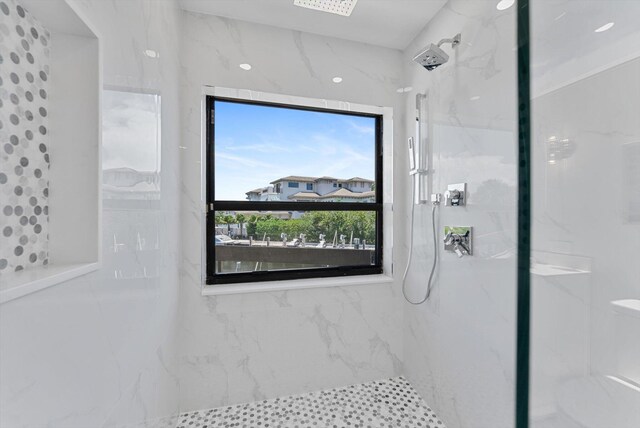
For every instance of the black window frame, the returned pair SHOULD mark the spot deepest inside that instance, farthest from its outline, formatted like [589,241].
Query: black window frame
[213,205]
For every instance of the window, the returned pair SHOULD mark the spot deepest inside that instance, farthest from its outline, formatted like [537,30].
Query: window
[291,234]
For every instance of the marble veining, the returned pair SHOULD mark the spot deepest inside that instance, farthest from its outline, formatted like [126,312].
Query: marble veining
[463,339]
[242,348]
[100,350]
[390,403]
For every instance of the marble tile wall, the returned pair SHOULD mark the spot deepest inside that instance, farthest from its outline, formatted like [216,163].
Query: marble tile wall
[100,350]
[459,347]
[24,137]
[586,140]
[242,348]
[112,335]
[578,332]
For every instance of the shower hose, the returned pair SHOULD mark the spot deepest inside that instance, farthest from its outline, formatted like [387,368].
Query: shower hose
[435,250]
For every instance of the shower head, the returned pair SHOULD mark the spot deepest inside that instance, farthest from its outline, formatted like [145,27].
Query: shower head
[432,56]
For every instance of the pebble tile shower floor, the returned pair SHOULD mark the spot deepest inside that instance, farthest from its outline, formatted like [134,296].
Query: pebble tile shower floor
[391,403]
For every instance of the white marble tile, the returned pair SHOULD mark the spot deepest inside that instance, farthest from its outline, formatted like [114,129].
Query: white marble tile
[459,347]
[100,350]
[240,348]
[265,345]
[586,195]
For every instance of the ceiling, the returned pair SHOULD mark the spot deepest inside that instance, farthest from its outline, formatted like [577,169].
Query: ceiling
[389,23]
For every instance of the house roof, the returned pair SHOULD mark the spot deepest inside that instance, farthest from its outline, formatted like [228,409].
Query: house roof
[295,178]
[366,180]
[305,179]
[346,193]
[340,193]
[258,190]
[304,195]
[369,194]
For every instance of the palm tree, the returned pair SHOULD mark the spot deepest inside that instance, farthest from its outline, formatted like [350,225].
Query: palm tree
[240,219]
[251,224]
[228,220]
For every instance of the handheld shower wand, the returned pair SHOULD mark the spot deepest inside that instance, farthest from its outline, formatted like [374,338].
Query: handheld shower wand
[419,159]
[419,170]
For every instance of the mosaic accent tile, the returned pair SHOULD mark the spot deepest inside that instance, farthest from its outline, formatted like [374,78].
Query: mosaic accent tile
[391,403]
[24,139]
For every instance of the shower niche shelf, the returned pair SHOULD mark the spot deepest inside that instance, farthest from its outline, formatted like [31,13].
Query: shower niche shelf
[72,189]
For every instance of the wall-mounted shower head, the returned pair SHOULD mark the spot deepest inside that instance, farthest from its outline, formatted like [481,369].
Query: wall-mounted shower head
[432,56]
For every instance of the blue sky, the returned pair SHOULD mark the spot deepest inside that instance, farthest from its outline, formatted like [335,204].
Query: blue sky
[255,145]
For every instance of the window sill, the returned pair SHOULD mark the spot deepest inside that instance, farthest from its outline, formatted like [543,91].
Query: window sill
[295,284]
[17,284]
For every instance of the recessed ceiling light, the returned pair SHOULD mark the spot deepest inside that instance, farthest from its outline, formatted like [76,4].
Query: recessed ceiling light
[605,27]
[339,7]
[405,89]
[151,53]
[245,66]
[475,98]
[505,4]
[337,79]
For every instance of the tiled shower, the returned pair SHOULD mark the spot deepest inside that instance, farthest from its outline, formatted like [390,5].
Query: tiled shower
[106,321]
[24,173]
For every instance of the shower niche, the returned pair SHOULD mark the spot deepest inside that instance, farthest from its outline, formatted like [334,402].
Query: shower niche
[50,164]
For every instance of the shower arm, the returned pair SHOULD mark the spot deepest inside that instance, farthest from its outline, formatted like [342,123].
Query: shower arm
[454,42]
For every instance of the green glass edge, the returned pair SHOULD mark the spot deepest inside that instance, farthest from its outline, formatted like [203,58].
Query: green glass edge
[524,218]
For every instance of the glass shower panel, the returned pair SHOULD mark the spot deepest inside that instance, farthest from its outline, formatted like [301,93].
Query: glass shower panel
[585,313]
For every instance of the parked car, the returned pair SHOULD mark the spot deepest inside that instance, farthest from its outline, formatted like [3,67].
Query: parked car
[225,240]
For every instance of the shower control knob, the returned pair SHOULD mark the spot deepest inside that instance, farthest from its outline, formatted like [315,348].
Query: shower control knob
[458,239]
[455,196]
[448,239]
[457,250]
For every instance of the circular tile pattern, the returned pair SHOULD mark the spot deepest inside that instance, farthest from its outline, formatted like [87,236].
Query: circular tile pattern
[391,403]
[24,155]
